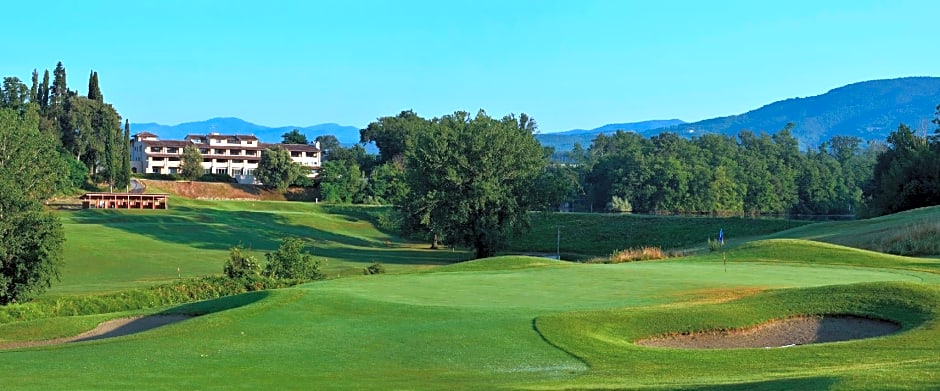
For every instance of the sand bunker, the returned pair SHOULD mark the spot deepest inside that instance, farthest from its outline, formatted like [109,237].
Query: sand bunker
[780,333]
[109,329]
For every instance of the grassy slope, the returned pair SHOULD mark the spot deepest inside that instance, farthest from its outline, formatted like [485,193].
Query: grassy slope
[586,235]
[868,233]
[110,250]
[474,327]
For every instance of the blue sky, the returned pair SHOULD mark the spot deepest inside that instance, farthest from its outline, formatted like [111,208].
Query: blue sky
[569,64]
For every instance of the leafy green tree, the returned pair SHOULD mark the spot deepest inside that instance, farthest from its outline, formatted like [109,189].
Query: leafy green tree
[393,134]
[31,239]
[341,182]
[293,137]
[328,143]
[14,94]
[906,175]
[191,163]
[387,184]
[469,177]
[241,264]
[290,261]
[276,169]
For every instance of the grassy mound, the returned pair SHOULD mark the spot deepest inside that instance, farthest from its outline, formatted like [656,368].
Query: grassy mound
[603,339]
[914,232]
[804,251]
[503,263]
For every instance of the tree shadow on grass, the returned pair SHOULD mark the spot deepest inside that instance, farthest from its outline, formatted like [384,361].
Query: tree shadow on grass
[179,313]
[806,383]
[215,229]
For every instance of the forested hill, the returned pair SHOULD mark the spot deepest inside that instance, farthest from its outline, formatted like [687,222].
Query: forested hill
[564,141]
[869,110]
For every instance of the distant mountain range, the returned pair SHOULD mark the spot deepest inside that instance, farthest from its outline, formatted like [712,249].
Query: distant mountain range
[345,134]
[869,110]
[564,141]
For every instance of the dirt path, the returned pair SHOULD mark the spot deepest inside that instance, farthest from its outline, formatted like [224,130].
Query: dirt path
[780,333]
[109,329]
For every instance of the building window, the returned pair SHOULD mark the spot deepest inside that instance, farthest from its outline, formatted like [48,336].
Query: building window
[203,150]
[221,171]
[206,160]
[249,171]
[221,160]
[173,170]
[156,149]
[234,152]
[220,152]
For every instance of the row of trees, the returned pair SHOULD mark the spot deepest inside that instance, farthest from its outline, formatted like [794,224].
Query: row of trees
[751,173]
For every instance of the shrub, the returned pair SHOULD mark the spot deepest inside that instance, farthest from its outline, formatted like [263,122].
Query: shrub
[715,245]
[290,261]
[632,254]
[241,265]
[618,204]
[374,268]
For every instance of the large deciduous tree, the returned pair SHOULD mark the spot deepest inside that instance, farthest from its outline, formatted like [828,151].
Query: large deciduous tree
[276,169]
[393,134]
[30,238]
[470,177]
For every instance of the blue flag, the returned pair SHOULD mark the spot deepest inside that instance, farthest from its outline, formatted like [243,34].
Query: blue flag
[721,236]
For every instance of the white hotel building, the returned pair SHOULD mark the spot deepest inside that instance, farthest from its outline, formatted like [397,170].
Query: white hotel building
[235,155]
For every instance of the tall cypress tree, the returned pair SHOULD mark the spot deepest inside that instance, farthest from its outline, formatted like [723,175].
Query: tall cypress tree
[60,90]
[34,87]
[124,175]
[44,92]
[94,92]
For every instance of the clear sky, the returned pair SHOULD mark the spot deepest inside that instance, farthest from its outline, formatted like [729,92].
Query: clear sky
[569,64]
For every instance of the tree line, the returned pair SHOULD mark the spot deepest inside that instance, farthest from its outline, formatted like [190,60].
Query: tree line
[87,130]
[717,174]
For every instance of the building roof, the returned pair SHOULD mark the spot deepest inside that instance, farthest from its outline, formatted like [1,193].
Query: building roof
[145,134]
[228,136]
[167,143]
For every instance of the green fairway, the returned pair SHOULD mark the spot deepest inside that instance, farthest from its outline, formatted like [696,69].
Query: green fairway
[110,250]
[506,322]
